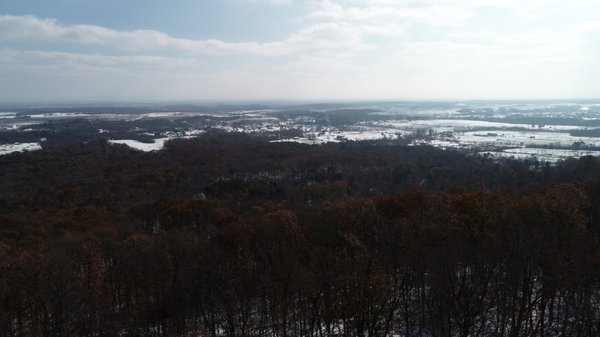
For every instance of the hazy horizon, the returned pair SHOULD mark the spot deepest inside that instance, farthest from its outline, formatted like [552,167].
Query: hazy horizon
[298,51]
[279,102]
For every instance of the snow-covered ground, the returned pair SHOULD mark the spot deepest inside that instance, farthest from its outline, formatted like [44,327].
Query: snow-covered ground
[7,114]
[19,147]
[61,115]
[523,138]
[157,145]
[441,125]
[549,155]
[444,125]
[333,135]
[12,125]
[468,134]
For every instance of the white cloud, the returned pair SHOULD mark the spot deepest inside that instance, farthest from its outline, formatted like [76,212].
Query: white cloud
[45,59]
[319,36]
[343,49]
[391,12]
[30,28]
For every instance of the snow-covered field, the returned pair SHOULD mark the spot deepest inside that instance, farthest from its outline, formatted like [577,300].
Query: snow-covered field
[7,114]
[334,135]
[19,147]
[520,140]
[543,129]
[549,155]
[157,145]
[440,125]
[16,125]
[176,114]
[523,138]
[62,115]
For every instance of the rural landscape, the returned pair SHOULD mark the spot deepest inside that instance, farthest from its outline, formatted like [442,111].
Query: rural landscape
[312,220]
[300,168]
[542,130]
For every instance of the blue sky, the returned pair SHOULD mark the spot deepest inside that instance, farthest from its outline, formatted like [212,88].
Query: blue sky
[193,19]
[298,50]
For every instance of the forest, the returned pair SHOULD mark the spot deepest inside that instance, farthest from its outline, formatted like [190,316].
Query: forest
[229,234]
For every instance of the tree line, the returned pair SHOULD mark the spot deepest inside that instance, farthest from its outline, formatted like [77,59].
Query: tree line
[288,240]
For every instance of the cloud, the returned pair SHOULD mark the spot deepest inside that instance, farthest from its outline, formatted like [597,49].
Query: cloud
[384,13]
[432,12]
[49,59]
[33,29]
[30,28]
[342,49]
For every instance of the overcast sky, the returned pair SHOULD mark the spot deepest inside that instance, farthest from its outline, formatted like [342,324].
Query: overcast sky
[298,50]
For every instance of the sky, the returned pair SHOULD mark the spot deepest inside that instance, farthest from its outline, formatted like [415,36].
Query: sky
[318,50]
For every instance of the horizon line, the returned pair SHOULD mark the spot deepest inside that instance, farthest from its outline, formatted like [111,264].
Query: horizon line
[54,102]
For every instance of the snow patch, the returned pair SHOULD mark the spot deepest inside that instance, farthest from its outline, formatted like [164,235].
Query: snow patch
[61,115]
[157,145]
[19,147]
